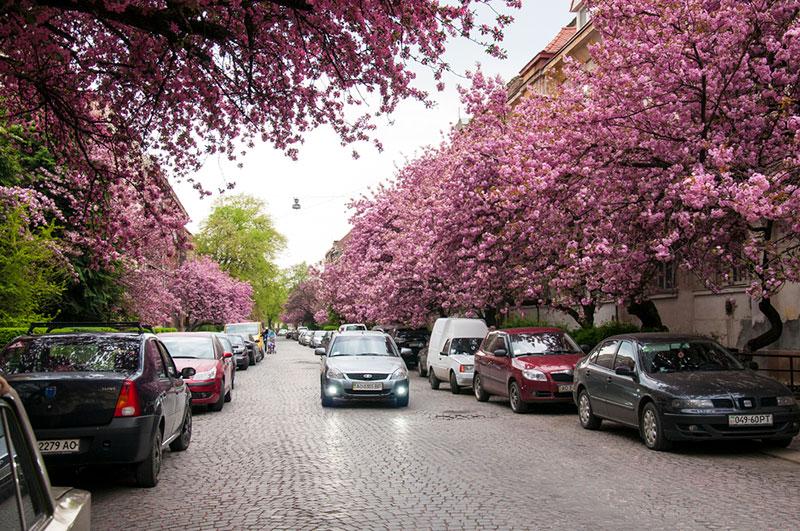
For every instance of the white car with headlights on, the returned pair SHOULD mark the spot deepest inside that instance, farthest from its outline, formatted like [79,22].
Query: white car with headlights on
[363,366]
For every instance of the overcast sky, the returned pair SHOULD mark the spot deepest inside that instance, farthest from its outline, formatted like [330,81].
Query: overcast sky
[326,176]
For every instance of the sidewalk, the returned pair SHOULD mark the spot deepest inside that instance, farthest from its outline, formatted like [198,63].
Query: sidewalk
[791,453]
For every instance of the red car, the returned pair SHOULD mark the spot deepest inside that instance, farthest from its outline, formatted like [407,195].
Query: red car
[214,380]
[527,365]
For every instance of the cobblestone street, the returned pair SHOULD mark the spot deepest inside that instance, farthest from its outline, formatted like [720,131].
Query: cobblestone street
[275,459]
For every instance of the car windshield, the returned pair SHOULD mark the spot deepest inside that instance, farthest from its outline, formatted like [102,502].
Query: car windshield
[189,347]
[540,344]
[465,345]
[71,354]
[362,346]
[242,329]
[687,356]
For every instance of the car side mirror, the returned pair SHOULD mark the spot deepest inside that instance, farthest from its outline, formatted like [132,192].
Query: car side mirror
[625,371]
[753,366]
[501,352]
[188,372]
[406,352]
[228,355]
[319,351]
[444,353]
[585,348]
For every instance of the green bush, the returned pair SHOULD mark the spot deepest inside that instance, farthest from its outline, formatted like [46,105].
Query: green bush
[9,333]
[164,329]
[593,336]
[330,327]
[517,321]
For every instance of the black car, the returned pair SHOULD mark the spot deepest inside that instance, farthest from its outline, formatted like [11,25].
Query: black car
[673,388]
[101,398]
[240,352]
[414,339]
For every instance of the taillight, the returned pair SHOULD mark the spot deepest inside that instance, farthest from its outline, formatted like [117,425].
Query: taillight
[128,401]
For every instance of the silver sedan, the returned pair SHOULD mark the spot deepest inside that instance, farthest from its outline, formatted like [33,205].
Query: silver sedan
[363,366]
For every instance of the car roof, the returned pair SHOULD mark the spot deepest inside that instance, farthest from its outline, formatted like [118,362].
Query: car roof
[129,335]
[366,333]
[649,337]
[530,330]
[190,334]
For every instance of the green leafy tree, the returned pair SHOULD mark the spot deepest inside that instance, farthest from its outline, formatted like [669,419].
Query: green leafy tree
[32,273]
[239,235]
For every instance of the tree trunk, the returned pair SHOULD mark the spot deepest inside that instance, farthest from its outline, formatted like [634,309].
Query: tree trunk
[773,333]
[647,312]
[588,315]
[490,316]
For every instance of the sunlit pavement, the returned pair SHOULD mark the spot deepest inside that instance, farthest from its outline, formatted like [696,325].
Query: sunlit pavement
[274,459]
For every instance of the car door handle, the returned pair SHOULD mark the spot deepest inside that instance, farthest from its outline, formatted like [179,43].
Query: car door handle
[608,379]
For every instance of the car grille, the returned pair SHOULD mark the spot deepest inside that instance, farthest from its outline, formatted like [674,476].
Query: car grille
[769,401]
[360,376]
[723,403]
[562,376]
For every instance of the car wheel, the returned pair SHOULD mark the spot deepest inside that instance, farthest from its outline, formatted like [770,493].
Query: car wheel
[454,388]
[245,364]
[515,398]
[477,388]
[182,442]
[401,401]
[585,414]
[251,359]
[434,381]
[423,371]
[651,431]
[219,404]
[147,471]
[777,443]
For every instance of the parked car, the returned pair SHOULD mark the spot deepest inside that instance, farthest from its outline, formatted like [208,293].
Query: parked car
[102,398]
[252,331]
[414,339]
[681,388]
[315,341]
[305,337]
[363,366]
[283,332]
[27,500]
[212,384]
[438,337]
[326,339]
[352,327]
[454,362]
[527,365]
[240,352]
[227,348]
[297,331]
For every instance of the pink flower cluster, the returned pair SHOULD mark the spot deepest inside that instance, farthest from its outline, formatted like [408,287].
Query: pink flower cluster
[680,144]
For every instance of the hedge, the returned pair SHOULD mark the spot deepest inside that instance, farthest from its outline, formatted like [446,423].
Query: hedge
[593,336]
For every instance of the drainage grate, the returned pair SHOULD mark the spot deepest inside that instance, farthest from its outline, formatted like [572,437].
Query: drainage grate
[459,415]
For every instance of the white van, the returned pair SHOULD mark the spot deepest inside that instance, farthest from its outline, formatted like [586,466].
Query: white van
[352,327]
[451,351]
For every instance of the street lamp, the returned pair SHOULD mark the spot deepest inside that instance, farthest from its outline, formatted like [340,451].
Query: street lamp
[296,204]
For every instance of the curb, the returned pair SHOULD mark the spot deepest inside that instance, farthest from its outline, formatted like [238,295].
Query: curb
[785,454]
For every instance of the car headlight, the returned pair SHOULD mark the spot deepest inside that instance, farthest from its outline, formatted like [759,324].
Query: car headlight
[693,404]
[207,375]
[335,373]
[399,374]
[533,374]
[787,401]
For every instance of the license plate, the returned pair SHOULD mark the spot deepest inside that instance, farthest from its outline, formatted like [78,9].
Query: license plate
[750,420]
[566,388]
[60,446]
[367,386]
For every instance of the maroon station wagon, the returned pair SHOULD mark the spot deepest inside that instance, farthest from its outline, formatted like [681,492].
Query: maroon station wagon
[527,365]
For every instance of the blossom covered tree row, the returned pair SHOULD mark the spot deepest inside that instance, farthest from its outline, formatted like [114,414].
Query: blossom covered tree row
[679,145]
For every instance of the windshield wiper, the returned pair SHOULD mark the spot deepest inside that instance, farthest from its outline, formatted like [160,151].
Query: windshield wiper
[184,357]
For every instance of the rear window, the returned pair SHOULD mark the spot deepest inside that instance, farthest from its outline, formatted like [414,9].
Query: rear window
[71,354]
[189,347]
[242,329]
[236,340]
[465,345]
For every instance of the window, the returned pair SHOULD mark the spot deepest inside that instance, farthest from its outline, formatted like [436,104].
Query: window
[190,346]
[446,348]
[665,278]
[73,353]
[18,475]
[487,342]
[167,359]
[626,356]
[605,354]
[498,343]
[154,357]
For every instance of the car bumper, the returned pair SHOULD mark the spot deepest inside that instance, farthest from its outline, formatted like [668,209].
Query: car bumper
[242,359]
[343,389]
[122,441]
[464,379]
[549,391]
[205,392]
[685,427]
